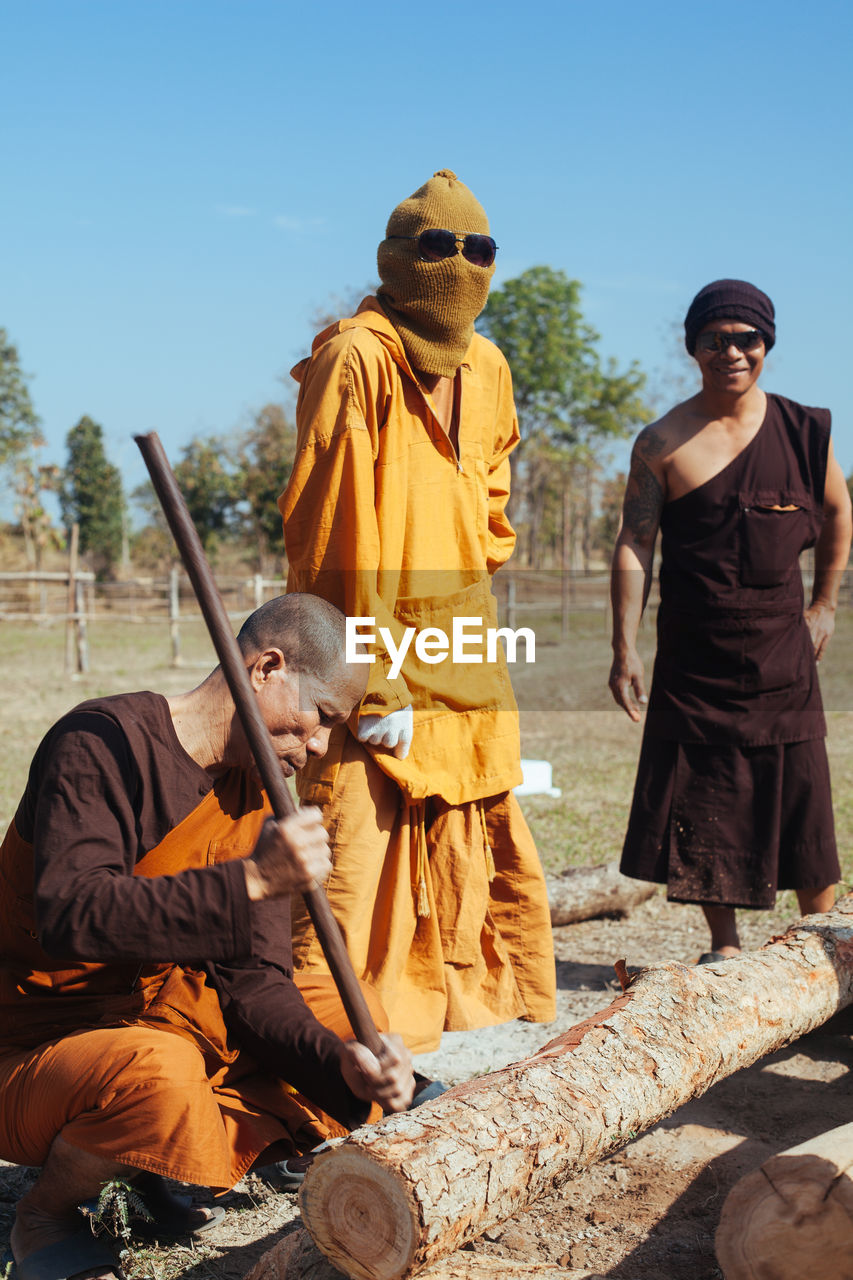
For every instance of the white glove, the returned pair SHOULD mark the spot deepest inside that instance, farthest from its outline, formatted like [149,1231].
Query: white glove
[394,731]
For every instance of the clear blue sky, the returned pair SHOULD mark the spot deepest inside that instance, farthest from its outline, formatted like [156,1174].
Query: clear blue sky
[185,183]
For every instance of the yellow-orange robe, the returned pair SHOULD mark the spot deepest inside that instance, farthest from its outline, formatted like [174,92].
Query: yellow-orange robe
[385,518]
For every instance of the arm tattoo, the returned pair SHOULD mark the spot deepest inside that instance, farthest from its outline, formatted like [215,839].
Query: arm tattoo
[649,444]
[643,495]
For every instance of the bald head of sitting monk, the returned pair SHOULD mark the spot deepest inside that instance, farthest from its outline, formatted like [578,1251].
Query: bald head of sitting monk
[150,1023]
[294,648]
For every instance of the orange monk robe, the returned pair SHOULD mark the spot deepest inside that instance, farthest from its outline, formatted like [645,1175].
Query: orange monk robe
[135,1063]
[436,883]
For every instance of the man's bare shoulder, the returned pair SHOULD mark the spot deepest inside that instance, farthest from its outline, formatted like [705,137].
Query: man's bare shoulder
[659,439]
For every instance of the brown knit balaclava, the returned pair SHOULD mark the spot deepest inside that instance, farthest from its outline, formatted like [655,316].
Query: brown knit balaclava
[433,305]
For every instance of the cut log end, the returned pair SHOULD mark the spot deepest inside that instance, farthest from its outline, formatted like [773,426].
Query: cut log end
[360,1216]
[793,1217]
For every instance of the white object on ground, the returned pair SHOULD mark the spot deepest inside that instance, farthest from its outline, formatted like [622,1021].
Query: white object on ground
[536,780]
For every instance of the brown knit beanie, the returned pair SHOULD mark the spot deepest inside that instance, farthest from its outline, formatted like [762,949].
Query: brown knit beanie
[433,305]
[730,300]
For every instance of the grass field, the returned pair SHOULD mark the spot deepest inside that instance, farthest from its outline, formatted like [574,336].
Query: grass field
[566,713]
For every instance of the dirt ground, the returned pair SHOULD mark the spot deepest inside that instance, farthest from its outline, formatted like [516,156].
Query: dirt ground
[647,1212]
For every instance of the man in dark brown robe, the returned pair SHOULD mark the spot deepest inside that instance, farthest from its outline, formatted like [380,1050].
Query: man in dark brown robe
[732,799]
[150,1024]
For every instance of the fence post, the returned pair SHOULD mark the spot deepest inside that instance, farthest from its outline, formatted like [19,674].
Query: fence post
[259,590]
[71,598]
[510,603]
[175,615]
[565,602]
[81,629]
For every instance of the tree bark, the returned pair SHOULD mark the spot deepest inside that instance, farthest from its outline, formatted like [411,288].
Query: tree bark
[394,1198]
[581,893]
[296,1257]
[793,1216]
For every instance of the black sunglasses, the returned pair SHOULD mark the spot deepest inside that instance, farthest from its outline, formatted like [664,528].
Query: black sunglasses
[435,245]
[716,340]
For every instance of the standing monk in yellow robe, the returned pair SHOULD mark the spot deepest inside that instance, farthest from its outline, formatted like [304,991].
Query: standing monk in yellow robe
[395,512]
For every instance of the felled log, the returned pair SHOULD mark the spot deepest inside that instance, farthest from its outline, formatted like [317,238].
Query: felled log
[582,893]
[793,1216]
[392,1199]
[298,1258]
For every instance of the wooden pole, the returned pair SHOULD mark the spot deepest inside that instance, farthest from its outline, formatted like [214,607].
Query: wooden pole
[511,614]
[71,599]
[394,1198]
[175,615]
[82,631]
[228,651]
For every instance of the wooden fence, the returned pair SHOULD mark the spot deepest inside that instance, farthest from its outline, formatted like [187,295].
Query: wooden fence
[554,602]
[77,601]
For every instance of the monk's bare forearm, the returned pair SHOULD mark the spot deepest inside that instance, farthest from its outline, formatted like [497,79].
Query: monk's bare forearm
[827,577]
[632,560]
[833,546]
[630,581]
[831,555]
[631,573]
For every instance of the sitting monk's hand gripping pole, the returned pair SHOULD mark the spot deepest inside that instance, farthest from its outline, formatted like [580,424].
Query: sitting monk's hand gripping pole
[228,651]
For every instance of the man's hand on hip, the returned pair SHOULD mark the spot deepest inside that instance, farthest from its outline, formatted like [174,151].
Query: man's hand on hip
[292,854]
[393,732]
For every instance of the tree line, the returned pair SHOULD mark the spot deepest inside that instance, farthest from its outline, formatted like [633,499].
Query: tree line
[573,406]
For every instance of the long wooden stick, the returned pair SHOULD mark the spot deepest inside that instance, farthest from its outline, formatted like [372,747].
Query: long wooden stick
[228,651]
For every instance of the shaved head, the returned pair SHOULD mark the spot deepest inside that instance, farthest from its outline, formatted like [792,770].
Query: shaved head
[310,632]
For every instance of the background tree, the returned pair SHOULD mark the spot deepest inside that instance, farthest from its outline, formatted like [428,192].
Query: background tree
[32,481]
[19,425]
[91,496]
[570,405]
[265,459]
[207,480]
[610,512]
[210,483]
[20,441]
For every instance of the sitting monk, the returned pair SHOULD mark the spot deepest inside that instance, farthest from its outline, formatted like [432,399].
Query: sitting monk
[150,1023]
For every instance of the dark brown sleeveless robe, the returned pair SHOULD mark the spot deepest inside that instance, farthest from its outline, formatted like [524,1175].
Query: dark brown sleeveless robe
[732,799]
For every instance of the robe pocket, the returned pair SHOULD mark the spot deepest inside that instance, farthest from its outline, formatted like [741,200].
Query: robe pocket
[772,535]
[467,676]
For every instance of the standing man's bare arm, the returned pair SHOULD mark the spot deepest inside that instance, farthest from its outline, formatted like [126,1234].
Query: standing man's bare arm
[831,555]
[631,571]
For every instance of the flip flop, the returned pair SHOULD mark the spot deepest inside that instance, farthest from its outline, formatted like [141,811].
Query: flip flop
[291,1172]
[713,957]
[66,1258]
[172,1214]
